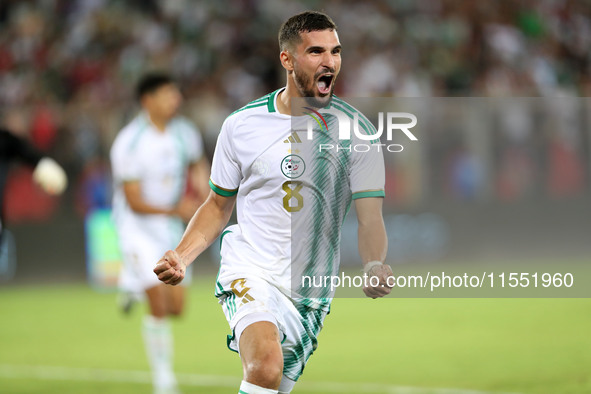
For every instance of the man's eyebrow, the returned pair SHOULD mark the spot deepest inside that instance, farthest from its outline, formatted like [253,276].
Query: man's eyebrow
[320,48]
[314,48]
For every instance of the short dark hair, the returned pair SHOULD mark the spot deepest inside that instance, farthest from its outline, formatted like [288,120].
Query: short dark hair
[149,83]
[307,21]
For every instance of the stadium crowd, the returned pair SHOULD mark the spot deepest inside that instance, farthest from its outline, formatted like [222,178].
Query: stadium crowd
[67,68]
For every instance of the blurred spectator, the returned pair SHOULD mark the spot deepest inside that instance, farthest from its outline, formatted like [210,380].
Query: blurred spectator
[70,65]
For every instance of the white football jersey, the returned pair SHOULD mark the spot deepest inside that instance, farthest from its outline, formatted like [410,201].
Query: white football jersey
[292,197]
[159,161]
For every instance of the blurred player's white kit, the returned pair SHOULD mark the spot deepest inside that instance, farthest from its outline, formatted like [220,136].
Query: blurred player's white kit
[160,161]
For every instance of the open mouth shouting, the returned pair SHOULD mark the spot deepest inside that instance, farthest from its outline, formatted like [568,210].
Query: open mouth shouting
[324,83]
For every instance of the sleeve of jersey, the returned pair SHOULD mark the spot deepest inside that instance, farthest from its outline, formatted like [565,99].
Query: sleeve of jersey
[124,165]
[367,174]
[225,171]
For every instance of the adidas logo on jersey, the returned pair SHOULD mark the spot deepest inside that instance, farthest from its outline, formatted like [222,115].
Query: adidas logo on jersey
[294,138]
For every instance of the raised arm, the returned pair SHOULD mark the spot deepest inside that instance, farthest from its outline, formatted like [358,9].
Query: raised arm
[13,147]
[205,226]
[373,244]
[48,173]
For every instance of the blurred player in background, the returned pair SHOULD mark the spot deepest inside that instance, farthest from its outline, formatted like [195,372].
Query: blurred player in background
[274,331]
[47,174]
[152,158]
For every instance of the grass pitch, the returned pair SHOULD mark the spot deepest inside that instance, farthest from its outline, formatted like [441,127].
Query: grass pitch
[69,338]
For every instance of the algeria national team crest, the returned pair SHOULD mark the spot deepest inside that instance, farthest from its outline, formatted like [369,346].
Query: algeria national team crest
[293,166]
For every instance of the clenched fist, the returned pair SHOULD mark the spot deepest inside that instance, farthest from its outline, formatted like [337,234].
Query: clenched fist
[382,272]
[171,269]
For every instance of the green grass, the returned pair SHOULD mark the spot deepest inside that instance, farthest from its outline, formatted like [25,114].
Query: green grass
[516,345]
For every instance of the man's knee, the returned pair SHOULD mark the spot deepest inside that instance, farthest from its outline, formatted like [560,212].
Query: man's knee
[157,302]
[175,300]
[262,357]
[176,310]
[265,369]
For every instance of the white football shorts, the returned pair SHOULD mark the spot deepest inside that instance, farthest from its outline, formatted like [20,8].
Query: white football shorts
[140,252]
[253,299]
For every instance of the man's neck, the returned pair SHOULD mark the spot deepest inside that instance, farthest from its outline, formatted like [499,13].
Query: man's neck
[284,99]
[159,123]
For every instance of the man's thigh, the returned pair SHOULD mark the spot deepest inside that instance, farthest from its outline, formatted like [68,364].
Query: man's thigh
[250,301]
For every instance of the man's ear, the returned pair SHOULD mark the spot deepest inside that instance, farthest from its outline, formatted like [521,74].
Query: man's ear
[286,60]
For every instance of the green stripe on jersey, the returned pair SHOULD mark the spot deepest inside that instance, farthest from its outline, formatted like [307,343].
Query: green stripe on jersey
[327,177]
[255,103]
[250,106]
[268,100]
[264,98]
[271,102]
[363,121]
[221,191]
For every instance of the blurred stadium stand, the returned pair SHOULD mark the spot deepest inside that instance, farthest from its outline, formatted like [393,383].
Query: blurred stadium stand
[67,72]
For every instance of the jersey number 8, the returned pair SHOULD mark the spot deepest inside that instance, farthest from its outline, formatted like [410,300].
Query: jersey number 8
[292,190]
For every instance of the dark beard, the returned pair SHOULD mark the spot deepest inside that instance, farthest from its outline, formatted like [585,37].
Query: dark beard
[302,81]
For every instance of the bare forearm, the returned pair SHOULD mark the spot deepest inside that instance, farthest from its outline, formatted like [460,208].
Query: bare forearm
[373,242]
[373,245]
[133,195]
[205,226]
[147,209]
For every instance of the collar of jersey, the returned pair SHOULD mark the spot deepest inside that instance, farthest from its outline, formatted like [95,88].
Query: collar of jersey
[143,115]
[272,106]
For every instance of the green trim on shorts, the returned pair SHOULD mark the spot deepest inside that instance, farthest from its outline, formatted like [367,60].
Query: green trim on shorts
[217,282]
[229,339]
[230,304]
[222,237]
